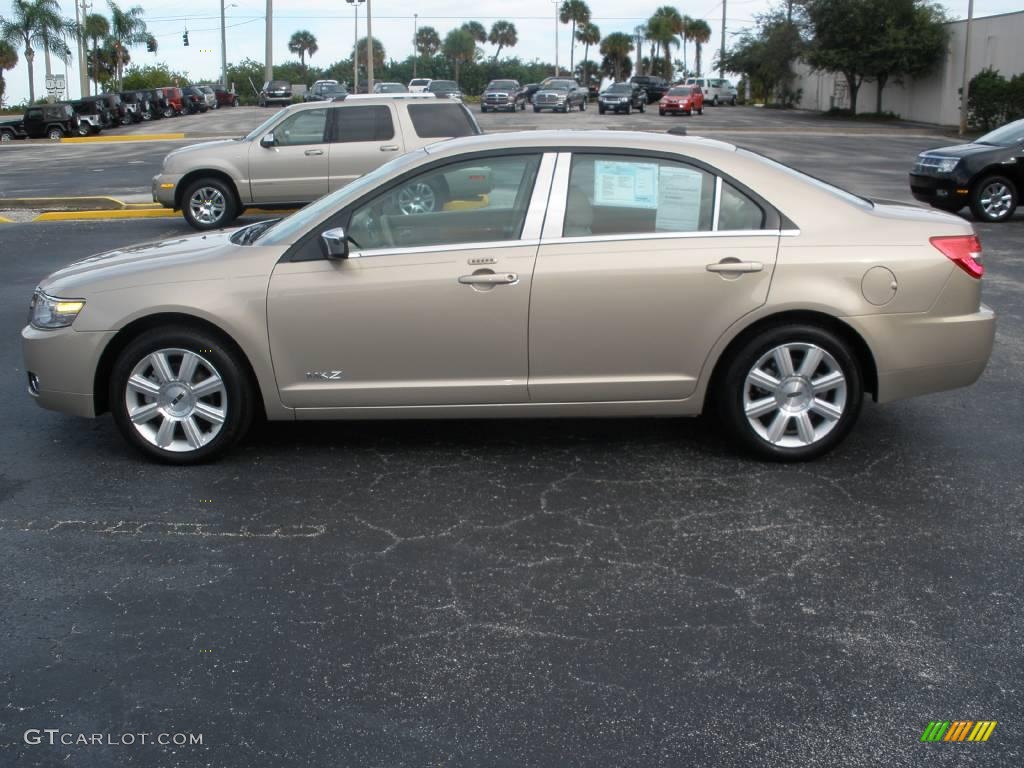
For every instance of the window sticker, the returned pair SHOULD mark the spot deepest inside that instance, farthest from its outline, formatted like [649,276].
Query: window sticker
[679,199]
[625,185]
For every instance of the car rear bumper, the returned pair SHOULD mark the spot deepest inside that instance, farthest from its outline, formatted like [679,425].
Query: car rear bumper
[62,365]
[916,354]
[939,191]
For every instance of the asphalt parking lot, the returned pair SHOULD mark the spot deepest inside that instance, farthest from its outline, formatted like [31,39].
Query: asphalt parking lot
[521,593]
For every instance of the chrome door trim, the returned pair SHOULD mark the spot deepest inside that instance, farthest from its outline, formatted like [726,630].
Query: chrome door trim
[454,248]
[534,222]
[555,220]
[717,209]
[667,236]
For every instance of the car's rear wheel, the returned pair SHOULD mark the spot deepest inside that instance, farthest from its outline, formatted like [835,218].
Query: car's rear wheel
[791,393]
[714,101]
[994,198]
[84,129]
[536,109]
[180,395]
[6,136]
[209,204]
[55,134]
[643,106]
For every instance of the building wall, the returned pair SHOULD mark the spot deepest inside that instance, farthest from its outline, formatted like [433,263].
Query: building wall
[996,42]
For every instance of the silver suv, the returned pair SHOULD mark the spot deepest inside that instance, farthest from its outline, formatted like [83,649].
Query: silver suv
[300,154]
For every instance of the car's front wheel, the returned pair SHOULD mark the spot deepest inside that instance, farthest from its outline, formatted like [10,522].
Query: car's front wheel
[55,134]
[180,395]
[994,199]
[790,393]
[209,204]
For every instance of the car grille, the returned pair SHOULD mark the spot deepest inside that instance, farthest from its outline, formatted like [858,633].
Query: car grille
[498,99]
[547,98]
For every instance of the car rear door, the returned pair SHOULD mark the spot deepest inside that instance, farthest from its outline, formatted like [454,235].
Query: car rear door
[363,137]
[644,263]
[294,168]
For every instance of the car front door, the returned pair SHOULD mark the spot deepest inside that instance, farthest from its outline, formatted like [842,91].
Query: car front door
[289,164]
[639,273]
[431,307]
[363,138]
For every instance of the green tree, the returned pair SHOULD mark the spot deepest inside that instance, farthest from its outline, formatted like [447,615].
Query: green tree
[151,76]
[765,56]
[30,27]
[616,48]
[700,33]
[589,34]
[843,37]
[95,29]
[573,12]
[913,43]
[476,29]
[685,36]
[127,29]
[428,42]
[640,34]
[303,44]
[378,54]
[8,60]
[460,47]
[503,34]
[662,28]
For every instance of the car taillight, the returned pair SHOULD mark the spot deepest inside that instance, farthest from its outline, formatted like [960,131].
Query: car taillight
[962,250]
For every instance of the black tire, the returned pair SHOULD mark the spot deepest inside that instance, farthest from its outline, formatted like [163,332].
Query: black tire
[583,106]
[237,400]
[983,193]
[714,101]
[600,110]
[230,209]
[643,107]
[732,387]
[53,133]
[661,112]
[483,108]
[536,109]
[629,109]
[169,112]
[733,102]
[84,129]
[6,136]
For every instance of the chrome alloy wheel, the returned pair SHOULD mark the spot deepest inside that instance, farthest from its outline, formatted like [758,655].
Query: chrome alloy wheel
[176,400]
[417,198]
[996,199]
[207,205]
[794,395]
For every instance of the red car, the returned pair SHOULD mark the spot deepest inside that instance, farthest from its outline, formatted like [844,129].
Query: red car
[172,100]
[225,98]
[685,99]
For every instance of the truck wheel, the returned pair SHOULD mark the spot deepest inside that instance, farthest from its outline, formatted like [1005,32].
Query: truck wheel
[6,136]
[84,129]
[209,204]
[55,134]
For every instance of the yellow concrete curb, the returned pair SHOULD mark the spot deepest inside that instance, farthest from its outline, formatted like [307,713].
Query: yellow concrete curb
[82,203]
[128,137]
[149,213]
[5,220]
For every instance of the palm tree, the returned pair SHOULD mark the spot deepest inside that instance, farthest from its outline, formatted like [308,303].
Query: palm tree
[127,29]
[30,25]
[428,42]
[8,60]
[700,33]
[476,29]
[574,12]
[460,46]
[616,48]
[303,43]
[94,29]
[504,35]
[378,52]
[55,30]
[640,33]
[685,36]
[663,26]
[588,34]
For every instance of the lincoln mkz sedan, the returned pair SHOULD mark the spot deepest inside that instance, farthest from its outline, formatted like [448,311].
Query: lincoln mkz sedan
[585,274]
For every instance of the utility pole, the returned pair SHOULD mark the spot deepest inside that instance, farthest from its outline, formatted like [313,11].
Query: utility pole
[415,52]
[557,70]
[83,81]
[268,66]
[223,50]
[369,49]
[721,49]
[967,58]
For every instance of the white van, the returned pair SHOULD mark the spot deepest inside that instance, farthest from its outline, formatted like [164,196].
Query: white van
[717,90]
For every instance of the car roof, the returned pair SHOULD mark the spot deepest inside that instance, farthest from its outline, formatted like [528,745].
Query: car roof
[569,140]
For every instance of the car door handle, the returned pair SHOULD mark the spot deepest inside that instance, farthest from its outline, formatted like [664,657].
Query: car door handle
[734,267]
[389,148]
[489,278]
[314,152]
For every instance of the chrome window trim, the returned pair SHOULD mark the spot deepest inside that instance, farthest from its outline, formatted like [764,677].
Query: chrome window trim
[555,221]
[668,236]
[533,224]
[453,248]
[717,205]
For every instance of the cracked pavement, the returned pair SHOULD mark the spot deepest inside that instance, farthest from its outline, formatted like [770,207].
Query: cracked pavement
[515,593]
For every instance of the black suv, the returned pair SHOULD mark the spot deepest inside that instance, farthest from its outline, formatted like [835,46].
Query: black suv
[116,107]
[622,97]
[193,100]
[655,86]
[52,121]
[987,174]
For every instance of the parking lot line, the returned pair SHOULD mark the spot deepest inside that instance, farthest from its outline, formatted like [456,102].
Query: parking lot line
[127,137]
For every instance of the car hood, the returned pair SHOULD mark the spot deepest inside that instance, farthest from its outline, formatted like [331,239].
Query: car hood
[175,260]
[551,92]
[962,150]
[217,147]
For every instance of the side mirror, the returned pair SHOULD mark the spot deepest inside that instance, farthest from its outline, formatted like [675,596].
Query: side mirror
[268,140]
[335,243]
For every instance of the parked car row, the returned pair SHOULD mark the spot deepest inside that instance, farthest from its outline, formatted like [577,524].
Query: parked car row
[90,115]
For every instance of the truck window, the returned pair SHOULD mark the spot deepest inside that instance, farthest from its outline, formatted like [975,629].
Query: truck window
[442,121]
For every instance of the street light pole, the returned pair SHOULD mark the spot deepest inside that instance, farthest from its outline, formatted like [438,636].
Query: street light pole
[558,71]
[967,57]
[223,50]
[369,49]
[721,49]
[415,31]
[355,45]
[268,67]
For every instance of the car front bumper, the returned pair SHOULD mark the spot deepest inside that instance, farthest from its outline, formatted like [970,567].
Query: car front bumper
[614,106]
[62,364]
[164,187]
[940,190]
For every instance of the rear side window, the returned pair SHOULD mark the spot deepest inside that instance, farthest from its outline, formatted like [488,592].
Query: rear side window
[369,123]
[738,212]
[442,121]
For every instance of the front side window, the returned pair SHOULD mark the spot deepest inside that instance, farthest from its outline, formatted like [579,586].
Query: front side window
[625,195]
[369,123]
[474,201]
[305,127]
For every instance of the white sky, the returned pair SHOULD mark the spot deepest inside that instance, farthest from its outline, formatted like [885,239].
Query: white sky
[331,22]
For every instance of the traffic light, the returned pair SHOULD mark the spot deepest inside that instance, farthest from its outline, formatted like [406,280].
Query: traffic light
[151,45]
[184,38]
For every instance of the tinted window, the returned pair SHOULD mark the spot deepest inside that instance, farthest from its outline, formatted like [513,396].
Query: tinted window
[34,114]
[442,121]
[679,91]
[738,211]
[503,84]
[306,127]
[620,88]
[370,123]
[442,85]
[473,201]
[621,195]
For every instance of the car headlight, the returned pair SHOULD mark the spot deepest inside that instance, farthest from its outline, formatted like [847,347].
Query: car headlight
[49,312]
[623,100]
[947,164]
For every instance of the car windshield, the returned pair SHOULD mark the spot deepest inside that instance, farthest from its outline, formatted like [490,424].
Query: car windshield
[262,127]
[392,88]
[678,91]
[419,82]
[620,88]
[1007,136]
[442,85]
[289,230]
[502,84]
[556,87]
